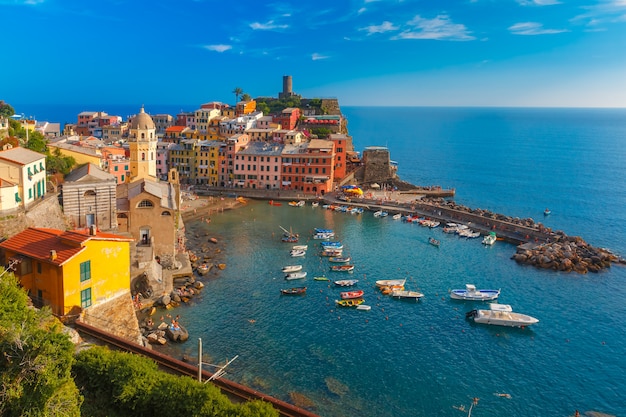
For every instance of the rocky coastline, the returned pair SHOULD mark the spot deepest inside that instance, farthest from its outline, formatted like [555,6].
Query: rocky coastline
[553,250]
[568,254]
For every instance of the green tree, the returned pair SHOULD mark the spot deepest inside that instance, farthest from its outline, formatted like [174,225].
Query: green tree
[36,360]
[57,163]
[246,97]
[321,132]
[136,387]
[263,107]
[37,142]
[237,92]
[6,110]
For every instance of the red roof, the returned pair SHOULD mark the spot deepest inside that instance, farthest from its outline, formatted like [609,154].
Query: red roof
[176,128]
[38,242]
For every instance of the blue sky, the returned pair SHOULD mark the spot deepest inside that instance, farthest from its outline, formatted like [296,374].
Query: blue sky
[543,53]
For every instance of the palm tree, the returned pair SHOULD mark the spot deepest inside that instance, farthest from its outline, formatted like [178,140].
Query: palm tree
[237,92]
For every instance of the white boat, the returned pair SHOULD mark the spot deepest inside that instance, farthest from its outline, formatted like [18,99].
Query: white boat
[380,213]
[315,203]
[501,315]
[490,239]
[471,293]
[397,216]
[296,275]
[322,236]
[300,247]
[292,268]
[363,307]
[340,259]
[331,252]
[346,282]
[415,295]
[296,253]
[390,283]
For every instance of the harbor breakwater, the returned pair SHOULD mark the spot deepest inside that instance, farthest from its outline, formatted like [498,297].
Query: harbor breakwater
[537,245]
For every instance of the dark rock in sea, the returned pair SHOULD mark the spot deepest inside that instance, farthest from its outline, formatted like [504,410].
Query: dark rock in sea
[177,334]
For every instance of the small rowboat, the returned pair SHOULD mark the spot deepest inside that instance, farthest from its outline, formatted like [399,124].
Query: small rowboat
[353,302]
[296,253]
[342,268]
[390,282]
[296,275]
[274,203]
[339,259]
[321,279]
[346,282]
[414,295]
[390,289]
[333,252]
[300,247]
[351,294]
[433,241]
[363,307]
[292,268]
[293,291]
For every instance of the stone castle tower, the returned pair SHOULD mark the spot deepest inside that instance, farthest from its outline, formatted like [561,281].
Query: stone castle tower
[143,145]
[377,164]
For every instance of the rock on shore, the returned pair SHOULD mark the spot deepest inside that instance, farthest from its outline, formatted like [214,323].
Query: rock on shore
[570,254]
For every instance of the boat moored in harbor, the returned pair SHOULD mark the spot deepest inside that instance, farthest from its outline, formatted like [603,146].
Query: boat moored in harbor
[501,315]
[292,268]
[352,302]
[472,294]
[293,291]
[296,275]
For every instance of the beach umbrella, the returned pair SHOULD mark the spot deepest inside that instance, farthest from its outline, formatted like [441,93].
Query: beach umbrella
[375,185]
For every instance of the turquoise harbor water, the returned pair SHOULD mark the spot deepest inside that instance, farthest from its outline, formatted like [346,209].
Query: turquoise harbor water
[424,359]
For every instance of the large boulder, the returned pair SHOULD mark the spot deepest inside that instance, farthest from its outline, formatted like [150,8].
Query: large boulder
[177,334]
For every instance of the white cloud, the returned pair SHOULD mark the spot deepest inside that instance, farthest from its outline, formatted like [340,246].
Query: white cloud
[361,10]
[613,11]
[218,48]
[317,57]
[382,28]
[270,25]
[532,28]
[439,28]
[538,2]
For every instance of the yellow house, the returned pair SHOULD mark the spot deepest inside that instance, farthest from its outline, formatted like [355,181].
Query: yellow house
[69,270]
[81,154]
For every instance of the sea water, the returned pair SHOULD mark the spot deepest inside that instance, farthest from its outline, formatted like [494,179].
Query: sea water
[407,358]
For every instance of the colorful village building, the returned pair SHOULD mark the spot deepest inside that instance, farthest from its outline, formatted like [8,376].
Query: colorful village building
[23,174]
[69,271]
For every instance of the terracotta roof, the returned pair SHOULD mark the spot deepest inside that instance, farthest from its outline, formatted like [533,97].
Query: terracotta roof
[38,242]
[175,128]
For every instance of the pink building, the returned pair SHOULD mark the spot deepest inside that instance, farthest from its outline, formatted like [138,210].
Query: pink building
[234,145]
[258,166]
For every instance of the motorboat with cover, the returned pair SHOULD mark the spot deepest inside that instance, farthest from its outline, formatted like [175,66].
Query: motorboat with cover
[501,315]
